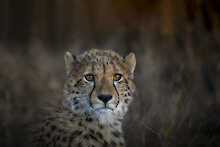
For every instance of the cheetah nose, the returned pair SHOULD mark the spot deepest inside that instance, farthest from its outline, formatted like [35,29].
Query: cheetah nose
[105,97]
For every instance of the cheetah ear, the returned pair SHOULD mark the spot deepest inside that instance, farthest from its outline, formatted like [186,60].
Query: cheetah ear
[130,61]
[69,60]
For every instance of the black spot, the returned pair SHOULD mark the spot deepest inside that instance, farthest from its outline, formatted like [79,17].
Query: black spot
[48,135]
[58,111]
[76,133]
[53,128]
[121,144]
[60,131]
[70,142]
[101,126]
[113,143]
[77,83]
[116,133]
[73,136]
[77,107]
[120,120]
[86,137]
[116,124]
[105,144]
[92,131]
[54,139]
[80,124]
[47,145]
[58,137]
[77,92]
[93,137]
[47,123]
[126,81]
[126,101]
[99,135]
[88,119]
[64,139]
[42,129]
[73,91]
[93,146]
[76,102]
[51,118]
[80,144]
[129,94]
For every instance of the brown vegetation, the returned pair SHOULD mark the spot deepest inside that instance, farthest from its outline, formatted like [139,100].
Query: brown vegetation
[177,47]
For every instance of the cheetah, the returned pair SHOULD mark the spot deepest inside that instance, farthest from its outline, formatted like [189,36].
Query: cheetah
[97,92]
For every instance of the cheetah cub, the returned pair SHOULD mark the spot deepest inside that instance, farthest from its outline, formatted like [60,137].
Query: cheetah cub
[97,92]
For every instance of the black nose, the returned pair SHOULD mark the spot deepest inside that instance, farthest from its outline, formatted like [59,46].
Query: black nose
[105,97]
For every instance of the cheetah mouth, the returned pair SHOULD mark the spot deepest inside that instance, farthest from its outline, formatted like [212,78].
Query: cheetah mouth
[104,108]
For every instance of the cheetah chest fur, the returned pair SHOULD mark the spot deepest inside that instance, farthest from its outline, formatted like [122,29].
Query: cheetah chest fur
[68,130]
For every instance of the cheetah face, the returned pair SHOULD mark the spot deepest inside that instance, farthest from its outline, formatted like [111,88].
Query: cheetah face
[99,83]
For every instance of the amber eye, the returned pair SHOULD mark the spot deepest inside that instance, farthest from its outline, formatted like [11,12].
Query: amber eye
[89,77]
[117,77]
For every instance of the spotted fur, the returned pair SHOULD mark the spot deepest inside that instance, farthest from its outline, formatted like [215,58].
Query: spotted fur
[83,120]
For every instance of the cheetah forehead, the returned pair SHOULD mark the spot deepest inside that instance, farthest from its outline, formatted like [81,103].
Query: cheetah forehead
[106,61]
[100,56]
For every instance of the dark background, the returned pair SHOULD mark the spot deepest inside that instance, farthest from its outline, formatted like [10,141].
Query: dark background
[177,45]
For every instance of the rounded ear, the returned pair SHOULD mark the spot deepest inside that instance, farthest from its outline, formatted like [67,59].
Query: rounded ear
[69,60]
[130,61]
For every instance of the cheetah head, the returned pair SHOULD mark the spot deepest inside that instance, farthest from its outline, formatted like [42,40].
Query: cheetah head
[99,84]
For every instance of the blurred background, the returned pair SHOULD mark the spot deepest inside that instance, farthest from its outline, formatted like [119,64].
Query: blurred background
[177,45]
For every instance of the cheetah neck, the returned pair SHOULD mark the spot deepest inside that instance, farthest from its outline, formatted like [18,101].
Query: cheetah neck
[109,130]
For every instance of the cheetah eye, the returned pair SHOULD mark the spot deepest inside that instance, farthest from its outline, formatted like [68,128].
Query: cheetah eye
[89,77]
[117,77]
